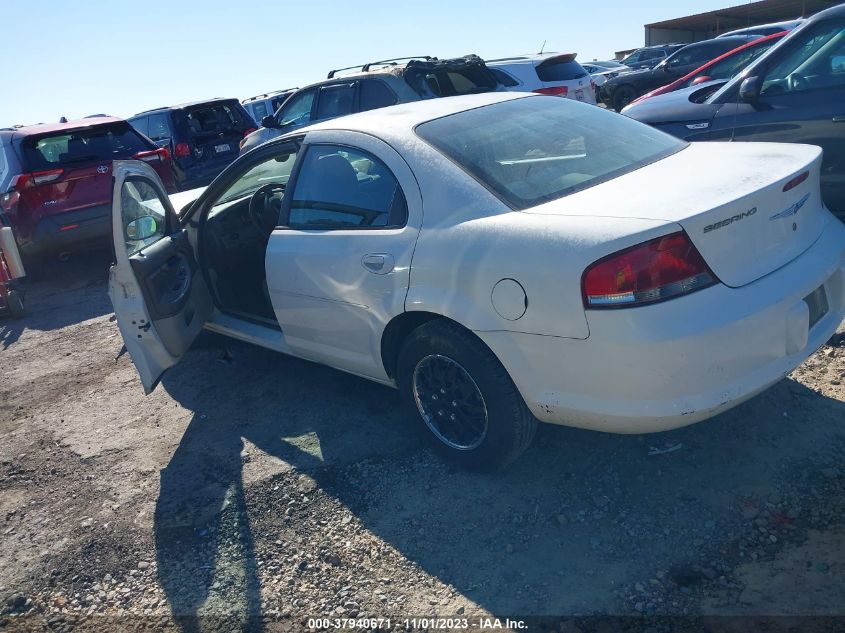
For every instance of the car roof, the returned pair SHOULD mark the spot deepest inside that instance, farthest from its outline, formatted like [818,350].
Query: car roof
[47,128]
[190,104]
[269,95]
[398,120]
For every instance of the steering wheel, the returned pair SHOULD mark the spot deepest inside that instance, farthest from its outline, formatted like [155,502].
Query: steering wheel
[797,82]
[265,205]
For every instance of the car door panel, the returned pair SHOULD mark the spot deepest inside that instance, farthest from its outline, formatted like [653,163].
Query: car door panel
[331,290]
[160,300]
[801,117]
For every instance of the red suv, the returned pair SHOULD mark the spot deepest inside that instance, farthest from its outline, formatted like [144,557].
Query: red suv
[56,181]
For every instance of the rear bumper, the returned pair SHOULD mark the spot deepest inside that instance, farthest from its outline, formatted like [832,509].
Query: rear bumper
[200,176]
[71,231]
[668,365]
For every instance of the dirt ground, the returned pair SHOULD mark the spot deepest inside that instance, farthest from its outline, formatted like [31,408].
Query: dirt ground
[252,491]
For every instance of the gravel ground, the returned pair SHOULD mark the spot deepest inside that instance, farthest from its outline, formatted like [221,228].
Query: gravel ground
[252,491]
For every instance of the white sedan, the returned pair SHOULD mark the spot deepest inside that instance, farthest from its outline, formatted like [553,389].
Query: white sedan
[499,258]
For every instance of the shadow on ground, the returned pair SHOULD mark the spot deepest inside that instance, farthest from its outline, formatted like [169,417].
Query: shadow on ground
[581,515]
[68,291]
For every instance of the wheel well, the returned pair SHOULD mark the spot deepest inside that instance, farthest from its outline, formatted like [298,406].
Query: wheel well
[396,331]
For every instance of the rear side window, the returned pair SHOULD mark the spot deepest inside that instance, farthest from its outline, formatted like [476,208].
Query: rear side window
[259,110]
[104,142]
[374,94]
[555,69]
[208,120]
[504,78]
[335,100]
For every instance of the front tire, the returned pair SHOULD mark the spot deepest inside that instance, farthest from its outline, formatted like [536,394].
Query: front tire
[622,96]
[15,303]
[463,396]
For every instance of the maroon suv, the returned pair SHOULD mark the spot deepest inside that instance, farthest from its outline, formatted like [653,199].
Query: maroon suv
[57,192]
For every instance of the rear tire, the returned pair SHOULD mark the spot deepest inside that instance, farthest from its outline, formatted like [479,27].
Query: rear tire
[463,396]
[34,267]
[622,96]
[15,303]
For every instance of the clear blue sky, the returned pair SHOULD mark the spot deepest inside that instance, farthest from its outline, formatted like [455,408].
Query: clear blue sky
[78,57]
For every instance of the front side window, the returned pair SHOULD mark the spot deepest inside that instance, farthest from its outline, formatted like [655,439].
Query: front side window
[297,110]
[143,214]
[340,187]
[335,100]
[815,61]
[532,150]
[269,172]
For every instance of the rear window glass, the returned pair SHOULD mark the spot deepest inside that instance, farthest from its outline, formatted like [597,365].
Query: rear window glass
[564,70]
[104,142]
[209,120]
[445,81]
[532,150]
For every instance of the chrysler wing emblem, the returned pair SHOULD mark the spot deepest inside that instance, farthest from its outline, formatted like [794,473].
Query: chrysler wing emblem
[103,169]
[795,208]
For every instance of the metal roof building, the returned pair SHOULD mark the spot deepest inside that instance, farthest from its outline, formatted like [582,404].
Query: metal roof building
[702,26]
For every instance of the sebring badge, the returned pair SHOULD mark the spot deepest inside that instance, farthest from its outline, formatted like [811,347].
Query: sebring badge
[794,209]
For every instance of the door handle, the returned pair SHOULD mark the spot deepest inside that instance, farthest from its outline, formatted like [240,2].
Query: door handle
[378,263]
[839,119]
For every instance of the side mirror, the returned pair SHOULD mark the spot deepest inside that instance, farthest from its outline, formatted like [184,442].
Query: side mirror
[701,79]
[749,89]
[269,121]
[142,228]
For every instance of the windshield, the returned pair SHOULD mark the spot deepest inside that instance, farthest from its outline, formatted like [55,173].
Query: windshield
[103,142]
[532,150]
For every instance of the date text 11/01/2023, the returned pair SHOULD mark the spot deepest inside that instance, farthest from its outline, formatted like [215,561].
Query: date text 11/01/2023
[427,624]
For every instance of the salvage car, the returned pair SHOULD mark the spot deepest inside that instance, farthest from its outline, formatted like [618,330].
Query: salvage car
[55,182]
[795,92]
[371,86]
[552,74]
[722,68]
[494,258]
[618,92]
[202,136]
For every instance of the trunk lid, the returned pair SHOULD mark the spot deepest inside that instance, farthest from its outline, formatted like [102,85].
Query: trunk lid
[732,199]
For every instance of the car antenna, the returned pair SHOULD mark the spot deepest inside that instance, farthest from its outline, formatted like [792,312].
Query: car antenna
[542,48]
[63,119]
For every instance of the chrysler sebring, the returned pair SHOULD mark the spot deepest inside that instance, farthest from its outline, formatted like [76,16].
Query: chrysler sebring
[499,258]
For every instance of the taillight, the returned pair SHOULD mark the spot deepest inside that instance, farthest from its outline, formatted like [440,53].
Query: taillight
[796,181]
[656,270]
[249,131]
[559,91]
[38,178]
[153,155]
[182,149]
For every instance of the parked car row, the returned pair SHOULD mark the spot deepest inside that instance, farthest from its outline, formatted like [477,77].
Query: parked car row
[786,89]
